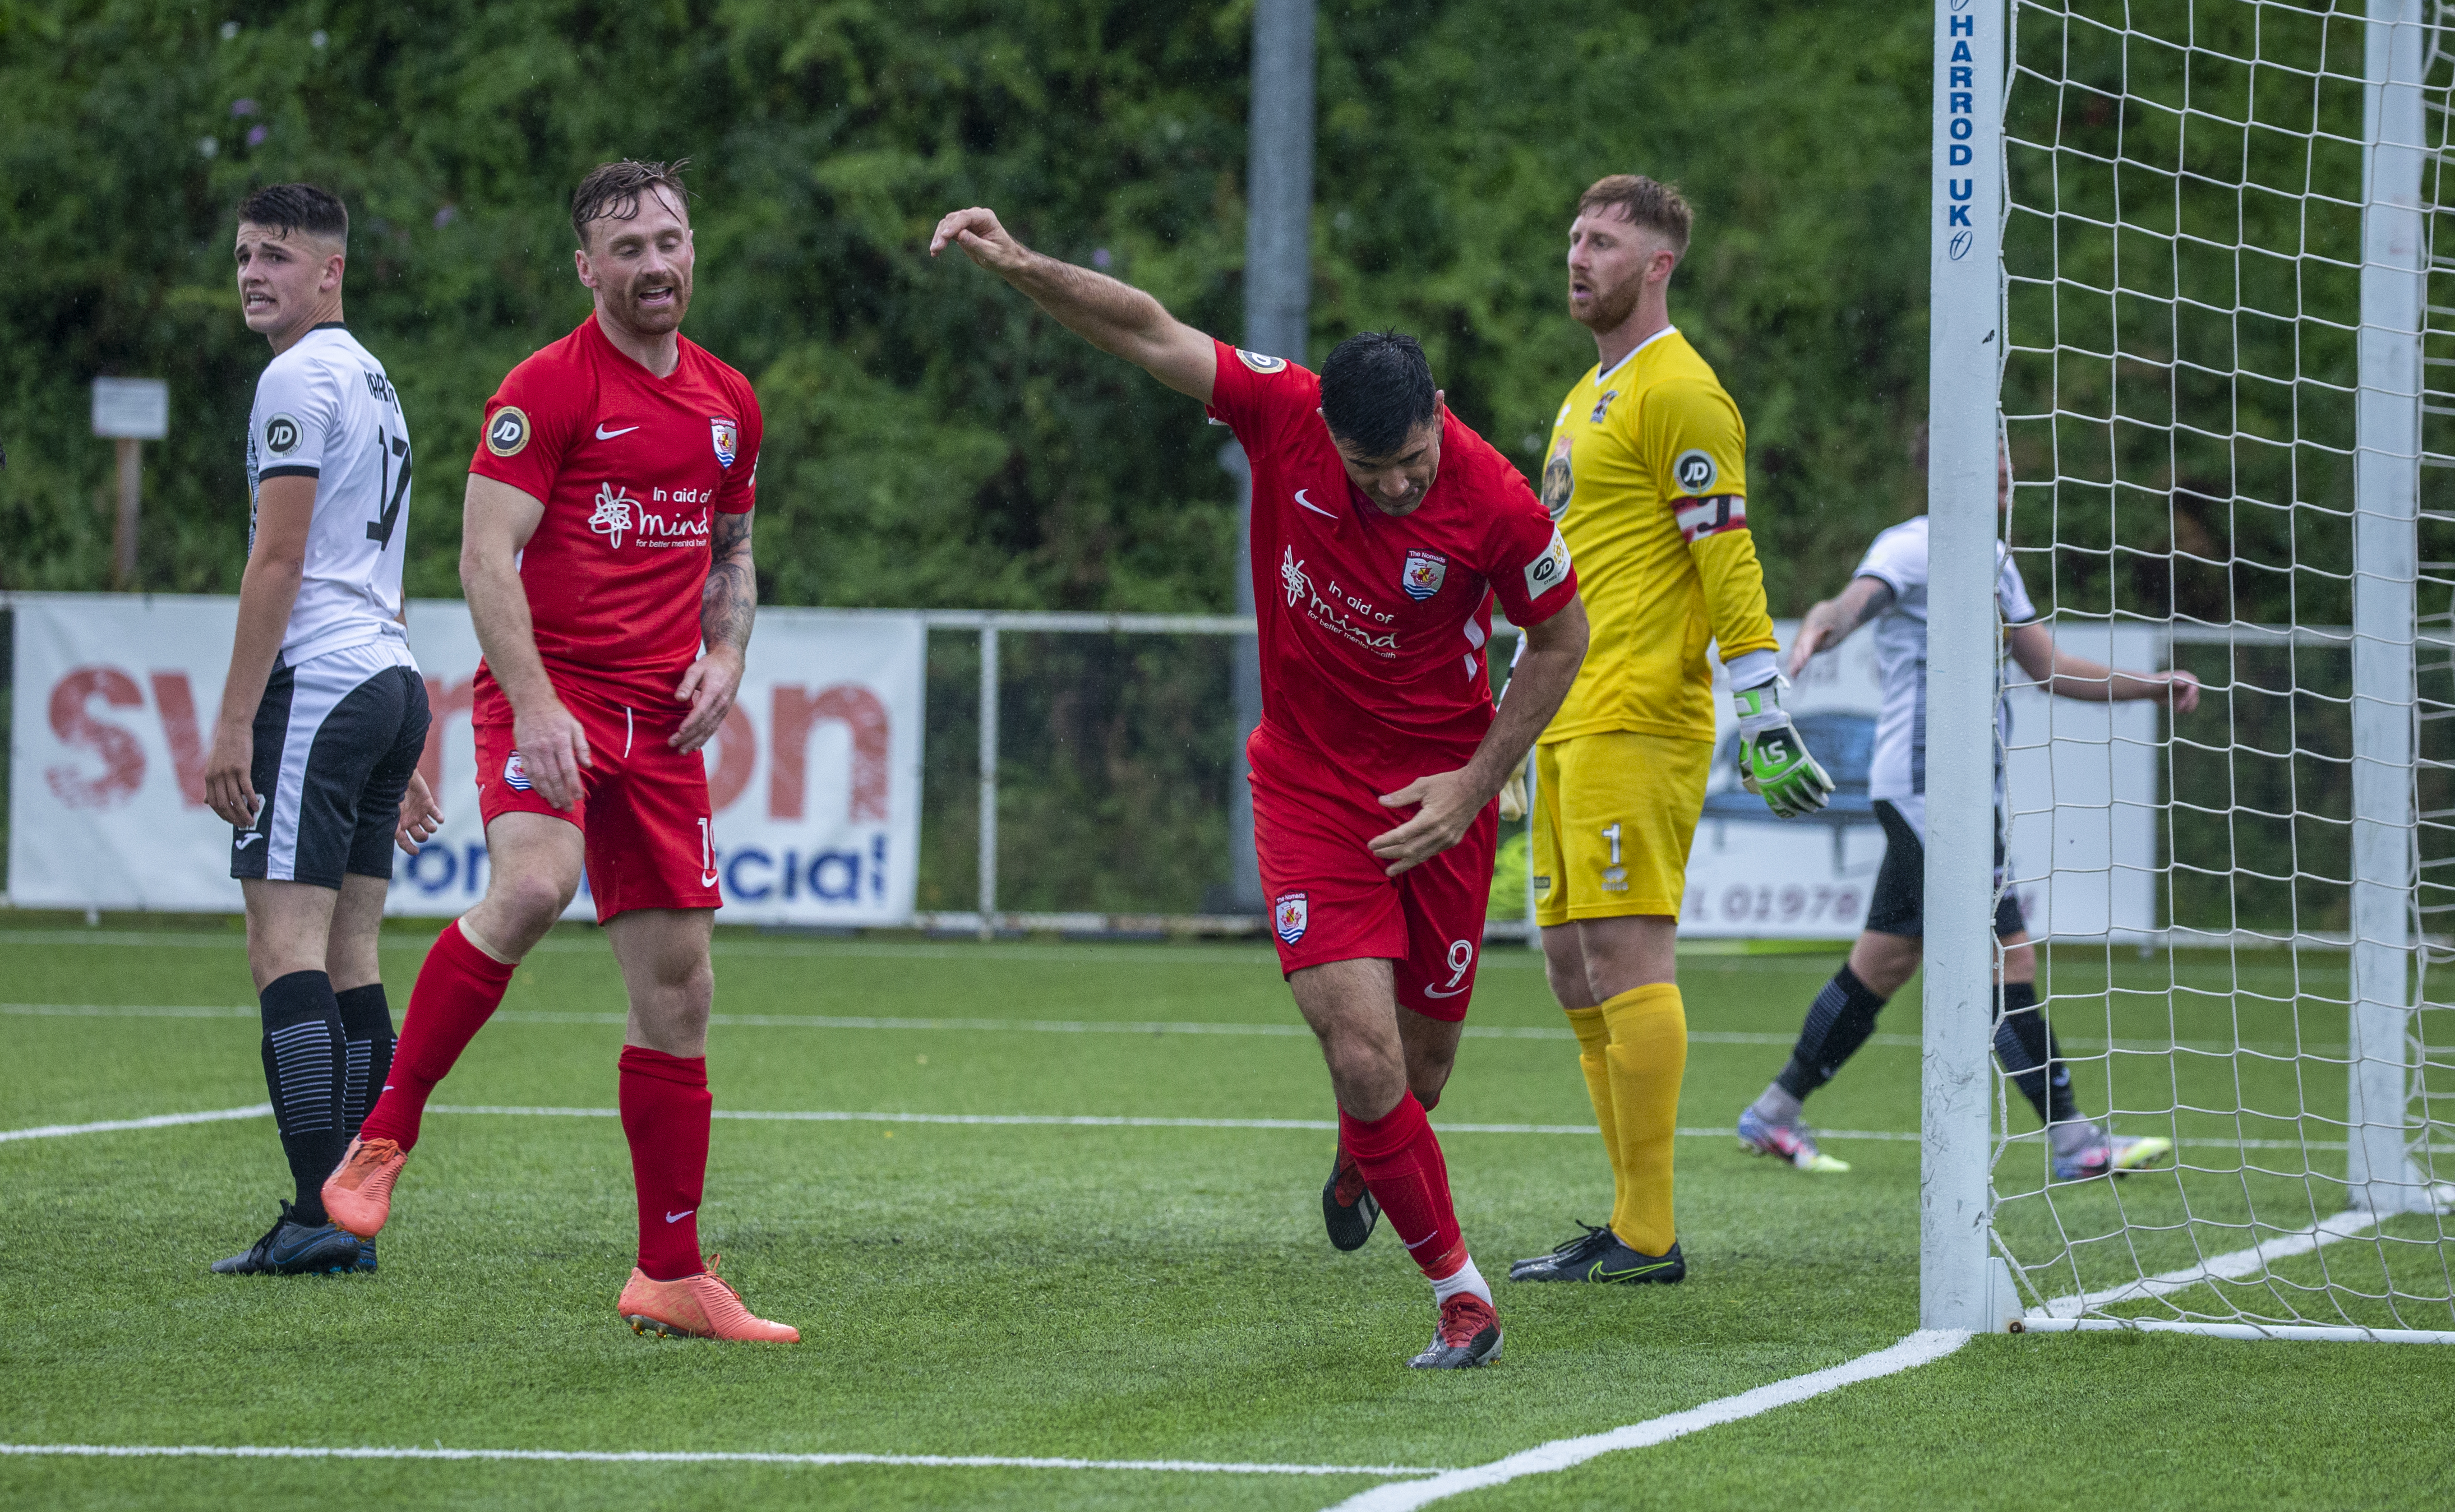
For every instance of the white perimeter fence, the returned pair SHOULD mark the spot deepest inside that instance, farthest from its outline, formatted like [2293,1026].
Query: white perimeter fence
[815,805]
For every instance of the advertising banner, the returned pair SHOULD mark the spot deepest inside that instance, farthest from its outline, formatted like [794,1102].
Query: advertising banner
[815,779]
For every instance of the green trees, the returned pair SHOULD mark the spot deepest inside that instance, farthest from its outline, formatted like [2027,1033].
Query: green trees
[931,439]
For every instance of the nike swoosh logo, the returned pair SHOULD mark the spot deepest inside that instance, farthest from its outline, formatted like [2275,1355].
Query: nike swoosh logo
[707,880]
[604,435]
[1310,505]
[676,1218]
[1601,1275]
[244,841]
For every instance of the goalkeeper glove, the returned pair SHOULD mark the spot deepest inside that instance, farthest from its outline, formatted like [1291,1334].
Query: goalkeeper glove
[1513,797]
[1773,761]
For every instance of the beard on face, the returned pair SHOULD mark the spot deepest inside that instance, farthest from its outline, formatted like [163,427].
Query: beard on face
[659,321]
[1610,306]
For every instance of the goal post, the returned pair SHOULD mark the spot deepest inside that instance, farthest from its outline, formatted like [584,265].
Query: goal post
[1964,356]
[2184,271]
[2380,1174]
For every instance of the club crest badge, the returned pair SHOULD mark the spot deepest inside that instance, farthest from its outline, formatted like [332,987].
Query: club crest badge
[1423,574]
[728,440]
[516,773]
[1261,363]
[1287,916]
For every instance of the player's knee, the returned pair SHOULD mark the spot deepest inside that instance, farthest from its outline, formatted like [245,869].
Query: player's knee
[1362,1065]
[1885,962]
[529,902]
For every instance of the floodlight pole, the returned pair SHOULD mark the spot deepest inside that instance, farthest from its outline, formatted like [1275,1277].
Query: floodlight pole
[1964,349]
[1278,284]
[2380,1172]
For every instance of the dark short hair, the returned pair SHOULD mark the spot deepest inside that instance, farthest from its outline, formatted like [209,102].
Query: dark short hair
[1655,206]
[1376,389]
[288,208]
[612,191]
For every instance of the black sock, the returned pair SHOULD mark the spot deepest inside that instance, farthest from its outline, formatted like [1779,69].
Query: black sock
[366,1022]
[303,1068]
[1837,1023]
[2025,1043]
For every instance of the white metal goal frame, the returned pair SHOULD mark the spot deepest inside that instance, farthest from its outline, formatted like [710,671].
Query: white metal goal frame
[1970,1275]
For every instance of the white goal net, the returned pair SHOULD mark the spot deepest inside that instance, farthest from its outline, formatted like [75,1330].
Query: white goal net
[2227,388]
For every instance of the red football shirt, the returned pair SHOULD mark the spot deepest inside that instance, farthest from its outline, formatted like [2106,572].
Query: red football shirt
[1374,627]
[632,468]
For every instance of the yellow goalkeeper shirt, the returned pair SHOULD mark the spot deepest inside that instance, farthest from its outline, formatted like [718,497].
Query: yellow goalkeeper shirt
[1647,477]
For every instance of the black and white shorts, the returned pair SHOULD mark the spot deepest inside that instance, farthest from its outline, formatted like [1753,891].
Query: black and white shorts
[336,738]
[1899,906]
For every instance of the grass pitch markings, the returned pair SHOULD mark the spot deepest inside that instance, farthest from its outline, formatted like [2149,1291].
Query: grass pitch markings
[935,1462]
[1924,1347]
[1082,1121]
[1093,1121]
[1057,1121]
[159,1120]
[1126,1026]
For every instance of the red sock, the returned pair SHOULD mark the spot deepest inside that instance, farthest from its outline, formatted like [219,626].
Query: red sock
[1401,1165]
[665,1109]
[458,990]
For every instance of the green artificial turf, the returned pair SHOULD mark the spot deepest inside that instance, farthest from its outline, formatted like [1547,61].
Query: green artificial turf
[1097,1292]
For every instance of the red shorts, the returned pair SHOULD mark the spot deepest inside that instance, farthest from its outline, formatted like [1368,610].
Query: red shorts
[1313,824]
[643,805]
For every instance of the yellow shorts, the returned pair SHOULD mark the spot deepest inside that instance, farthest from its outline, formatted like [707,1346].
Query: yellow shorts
[1614,816]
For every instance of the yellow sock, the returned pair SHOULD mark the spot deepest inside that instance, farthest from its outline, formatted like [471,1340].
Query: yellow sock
[1592,1037]
[1647,1055]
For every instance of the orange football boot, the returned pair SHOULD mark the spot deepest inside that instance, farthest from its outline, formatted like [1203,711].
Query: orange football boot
[358,1195]
[695,1307]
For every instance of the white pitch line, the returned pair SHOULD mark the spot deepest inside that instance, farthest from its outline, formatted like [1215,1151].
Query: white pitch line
[2266,1049]
[1037,1026]
[1917,1349]
[944,1462]
[2232,1266]
[160,1121]
[1087,1120]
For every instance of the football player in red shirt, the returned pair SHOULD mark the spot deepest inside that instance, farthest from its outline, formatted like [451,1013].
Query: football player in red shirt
[1382,528]
[605,550]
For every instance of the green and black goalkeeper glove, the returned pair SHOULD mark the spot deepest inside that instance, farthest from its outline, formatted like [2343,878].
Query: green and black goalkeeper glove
[1773,761]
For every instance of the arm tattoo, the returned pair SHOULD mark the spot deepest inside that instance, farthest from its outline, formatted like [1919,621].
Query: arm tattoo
[1842,615]
[1875,600]
[730,601]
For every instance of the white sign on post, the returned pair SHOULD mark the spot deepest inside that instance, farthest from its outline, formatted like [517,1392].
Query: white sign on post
[132,408]
[815,780]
